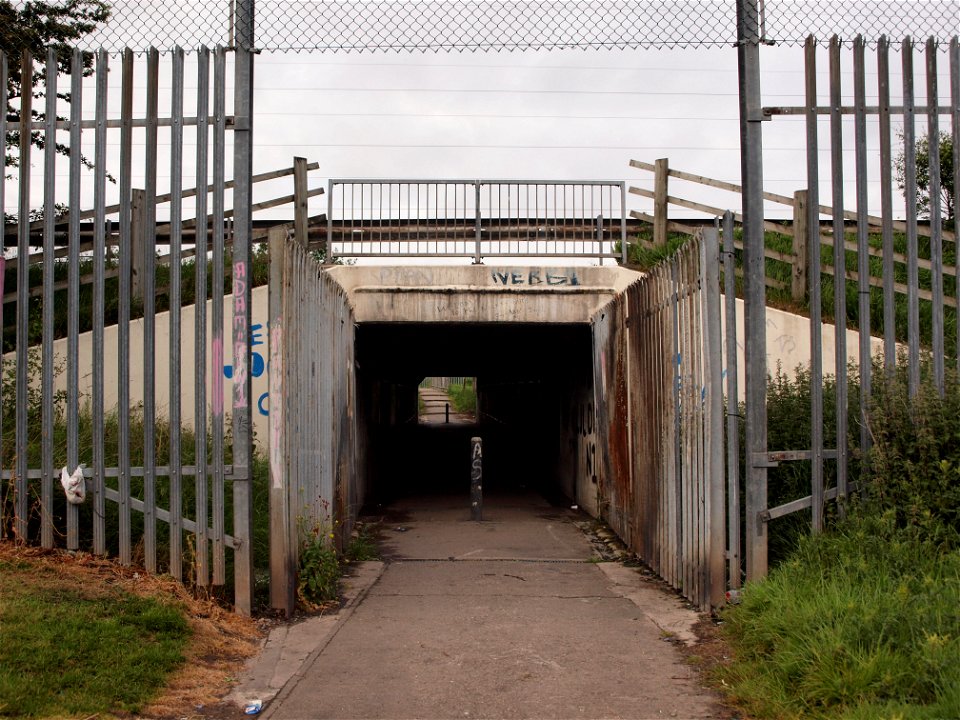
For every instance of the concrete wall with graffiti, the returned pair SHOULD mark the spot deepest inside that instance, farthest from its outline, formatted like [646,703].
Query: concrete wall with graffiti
[259,341]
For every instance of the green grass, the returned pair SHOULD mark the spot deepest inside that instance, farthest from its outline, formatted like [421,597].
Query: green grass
[70,652]
[861,622]
[463,397]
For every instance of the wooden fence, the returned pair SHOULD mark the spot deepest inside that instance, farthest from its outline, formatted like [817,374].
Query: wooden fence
[138,229]
[796,229]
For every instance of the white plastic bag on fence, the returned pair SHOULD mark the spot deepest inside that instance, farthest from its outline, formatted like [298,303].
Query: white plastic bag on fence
[74,485]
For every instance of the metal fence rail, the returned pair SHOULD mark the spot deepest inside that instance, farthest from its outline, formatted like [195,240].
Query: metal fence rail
[476,218]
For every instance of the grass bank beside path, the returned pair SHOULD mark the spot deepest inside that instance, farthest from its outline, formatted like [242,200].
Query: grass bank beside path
[83,636]
[860,623]
[463,397]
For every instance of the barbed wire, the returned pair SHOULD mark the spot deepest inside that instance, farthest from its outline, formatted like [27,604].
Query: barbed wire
[501,25]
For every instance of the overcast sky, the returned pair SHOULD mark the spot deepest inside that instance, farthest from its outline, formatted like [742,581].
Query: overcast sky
[560,115]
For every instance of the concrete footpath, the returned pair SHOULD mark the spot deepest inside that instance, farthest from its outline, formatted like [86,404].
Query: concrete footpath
[508,618]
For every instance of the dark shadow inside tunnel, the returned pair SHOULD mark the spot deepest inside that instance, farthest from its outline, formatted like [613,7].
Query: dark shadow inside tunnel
[530,380]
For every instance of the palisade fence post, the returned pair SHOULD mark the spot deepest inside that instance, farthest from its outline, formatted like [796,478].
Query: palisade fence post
[243,227]
[733,405]
[751,171]
[21,506]
[477,259]
[282,558]
[714,461]
[798,288]
[661,173]
[3,239]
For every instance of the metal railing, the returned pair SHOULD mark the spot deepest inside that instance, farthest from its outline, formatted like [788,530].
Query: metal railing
[477,218]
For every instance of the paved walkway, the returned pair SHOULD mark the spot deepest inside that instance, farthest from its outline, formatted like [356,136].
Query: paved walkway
[438,410]
[508,618]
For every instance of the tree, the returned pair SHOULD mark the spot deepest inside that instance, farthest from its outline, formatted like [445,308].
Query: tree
[35,26]
[948,198]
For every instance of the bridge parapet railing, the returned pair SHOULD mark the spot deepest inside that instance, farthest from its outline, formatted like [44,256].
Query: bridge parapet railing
[476,218]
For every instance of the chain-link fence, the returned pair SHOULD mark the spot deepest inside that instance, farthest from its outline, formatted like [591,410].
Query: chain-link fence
[465,25]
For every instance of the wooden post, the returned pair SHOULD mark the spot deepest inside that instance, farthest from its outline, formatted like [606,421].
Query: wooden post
[801,245]
[138,232]
[300,200]
[660,174]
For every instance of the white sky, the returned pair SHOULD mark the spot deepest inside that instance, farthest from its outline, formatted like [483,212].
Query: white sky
[560,115]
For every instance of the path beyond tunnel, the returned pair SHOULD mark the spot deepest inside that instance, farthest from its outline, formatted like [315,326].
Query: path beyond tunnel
[506,618]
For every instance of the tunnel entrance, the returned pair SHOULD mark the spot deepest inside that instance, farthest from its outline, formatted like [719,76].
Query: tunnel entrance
[528,380]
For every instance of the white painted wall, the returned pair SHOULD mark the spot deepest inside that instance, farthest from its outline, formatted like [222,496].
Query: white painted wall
[788,342]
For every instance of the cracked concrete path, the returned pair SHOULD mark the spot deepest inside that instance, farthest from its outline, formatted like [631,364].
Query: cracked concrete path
[508,618]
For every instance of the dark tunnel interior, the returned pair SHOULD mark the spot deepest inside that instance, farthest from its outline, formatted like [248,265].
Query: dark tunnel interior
[528,378]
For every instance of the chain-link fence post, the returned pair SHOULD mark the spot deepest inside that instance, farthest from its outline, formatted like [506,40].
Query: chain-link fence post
[243,227]
[751,169]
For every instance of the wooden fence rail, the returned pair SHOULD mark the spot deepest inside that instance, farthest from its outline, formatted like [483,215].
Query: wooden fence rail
[796,229]
[299,200]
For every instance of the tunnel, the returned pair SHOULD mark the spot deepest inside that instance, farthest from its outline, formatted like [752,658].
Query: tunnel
[594,388]
[530,381]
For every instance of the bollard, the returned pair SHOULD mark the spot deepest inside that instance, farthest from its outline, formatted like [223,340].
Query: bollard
[447,411]
[476,479]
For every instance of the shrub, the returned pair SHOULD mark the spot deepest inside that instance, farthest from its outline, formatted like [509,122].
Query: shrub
[913,475]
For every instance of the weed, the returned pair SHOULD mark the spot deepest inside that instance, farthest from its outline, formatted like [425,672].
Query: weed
[363,545]
[319,577]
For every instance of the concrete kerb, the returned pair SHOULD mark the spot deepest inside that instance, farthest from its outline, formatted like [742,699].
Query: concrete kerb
[291,649]
[659,605]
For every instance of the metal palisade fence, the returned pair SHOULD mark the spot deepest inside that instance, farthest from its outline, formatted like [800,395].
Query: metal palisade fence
[162,494]
[878,260]
[657,381]
[176,504]
[314,457]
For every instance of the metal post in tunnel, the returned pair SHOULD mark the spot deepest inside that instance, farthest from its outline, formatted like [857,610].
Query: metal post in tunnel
[476,478]
[243,227]
[751,171]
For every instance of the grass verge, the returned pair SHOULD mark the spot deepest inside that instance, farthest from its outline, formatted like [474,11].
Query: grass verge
[859,623]
[84,636]
[72,649]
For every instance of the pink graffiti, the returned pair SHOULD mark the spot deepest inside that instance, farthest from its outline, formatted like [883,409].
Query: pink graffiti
[240,374]
[240,347]
[217,381]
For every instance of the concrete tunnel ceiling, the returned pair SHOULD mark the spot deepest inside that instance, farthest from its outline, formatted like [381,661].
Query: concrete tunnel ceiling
[406,352]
